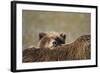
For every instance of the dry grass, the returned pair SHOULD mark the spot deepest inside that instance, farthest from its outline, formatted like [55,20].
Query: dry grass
[78,50]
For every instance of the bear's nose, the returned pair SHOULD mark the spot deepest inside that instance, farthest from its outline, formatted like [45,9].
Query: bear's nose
[55,43]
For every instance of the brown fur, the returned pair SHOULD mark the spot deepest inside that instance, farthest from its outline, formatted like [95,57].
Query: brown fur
[46,39]
[78,50]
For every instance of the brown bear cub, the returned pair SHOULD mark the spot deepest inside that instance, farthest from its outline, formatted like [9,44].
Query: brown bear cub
[51,39]
[80,49]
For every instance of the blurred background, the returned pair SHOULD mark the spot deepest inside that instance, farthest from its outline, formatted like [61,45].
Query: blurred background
[71,23]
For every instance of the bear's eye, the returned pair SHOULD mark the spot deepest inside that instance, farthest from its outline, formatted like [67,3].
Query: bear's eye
[60,41]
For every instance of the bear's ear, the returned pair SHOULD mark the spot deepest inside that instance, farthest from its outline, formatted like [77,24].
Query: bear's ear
[41,35]
[63,35]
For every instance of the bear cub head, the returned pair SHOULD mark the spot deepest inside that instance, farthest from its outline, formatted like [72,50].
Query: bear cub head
[51,39]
